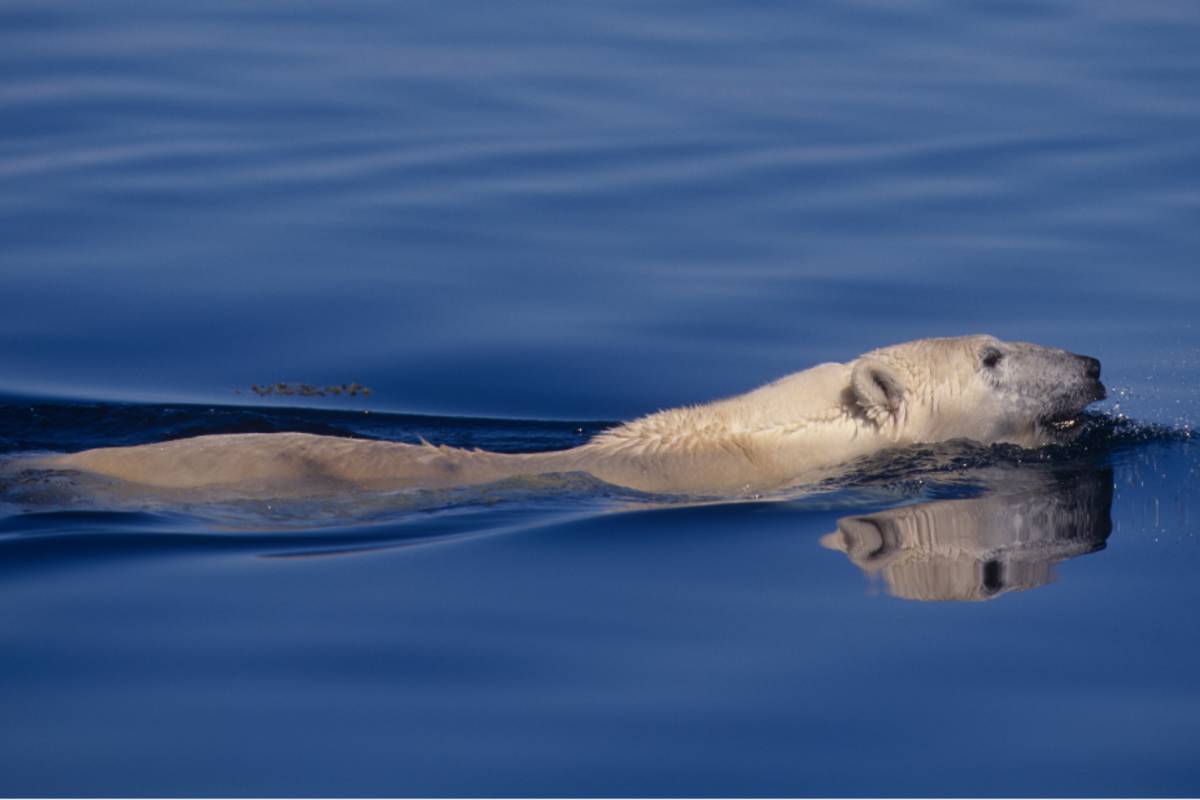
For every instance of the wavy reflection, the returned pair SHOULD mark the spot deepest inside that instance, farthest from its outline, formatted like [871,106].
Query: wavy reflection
[982,547]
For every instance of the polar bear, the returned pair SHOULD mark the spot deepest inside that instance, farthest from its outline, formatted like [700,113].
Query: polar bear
[794,431]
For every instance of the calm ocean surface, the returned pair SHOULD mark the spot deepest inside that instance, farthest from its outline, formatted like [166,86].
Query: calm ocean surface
[516,223]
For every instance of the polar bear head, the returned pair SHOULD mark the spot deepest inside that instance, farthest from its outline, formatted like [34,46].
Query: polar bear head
[974,387]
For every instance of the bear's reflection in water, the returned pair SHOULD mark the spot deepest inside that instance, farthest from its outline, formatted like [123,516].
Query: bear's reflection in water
[982,547]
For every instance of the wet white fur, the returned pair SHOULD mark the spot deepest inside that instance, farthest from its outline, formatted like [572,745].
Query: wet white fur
[795,430]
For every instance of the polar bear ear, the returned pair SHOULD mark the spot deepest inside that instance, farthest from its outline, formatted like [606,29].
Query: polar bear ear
[877,389]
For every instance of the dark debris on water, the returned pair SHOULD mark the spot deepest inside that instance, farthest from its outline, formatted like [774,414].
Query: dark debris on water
[309,390]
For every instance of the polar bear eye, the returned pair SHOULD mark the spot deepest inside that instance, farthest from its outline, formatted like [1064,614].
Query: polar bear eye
[991,357]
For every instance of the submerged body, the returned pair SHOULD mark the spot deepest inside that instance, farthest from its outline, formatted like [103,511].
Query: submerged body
[793,431]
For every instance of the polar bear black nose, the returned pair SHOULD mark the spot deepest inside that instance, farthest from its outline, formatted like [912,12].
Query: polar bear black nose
[1091,367]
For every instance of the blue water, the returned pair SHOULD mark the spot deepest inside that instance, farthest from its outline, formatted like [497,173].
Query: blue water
[516,223]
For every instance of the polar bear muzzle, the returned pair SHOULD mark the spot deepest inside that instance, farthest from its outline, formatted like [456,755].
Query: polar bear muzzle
[1059,383]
